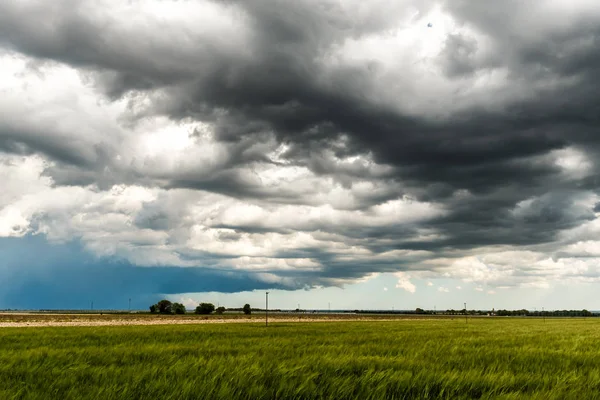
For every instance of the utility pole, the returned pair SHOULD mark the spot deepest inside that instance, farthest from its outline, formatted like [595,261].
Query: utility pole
[266,308]
[92,305]
[130,304]
[466,320]
[329,305]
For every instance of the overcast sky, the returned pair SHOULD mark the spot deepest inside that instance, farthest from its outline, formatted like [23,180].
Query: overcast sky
[365,154]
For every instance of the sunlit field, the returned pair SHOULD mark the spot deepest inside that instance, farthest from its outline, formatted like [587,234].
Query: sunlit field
[430,358]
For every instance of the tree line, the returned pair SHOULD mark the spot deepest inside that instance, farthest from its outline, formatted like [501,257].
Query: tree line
[555,313]
[166,307]
[500,313]
[519,313]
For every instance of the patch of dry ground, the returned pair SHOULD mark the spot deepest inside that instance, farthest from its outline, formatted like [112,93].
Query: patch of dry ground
[162,321]
[8,320]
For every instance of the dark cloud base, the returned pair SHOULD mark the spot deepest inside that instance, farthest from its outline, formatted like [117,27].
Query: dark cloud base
[40,275]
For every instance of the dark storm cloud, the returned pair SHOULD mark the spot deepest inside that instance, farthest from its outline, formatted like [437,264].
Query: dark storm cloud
[68,277]
[277,87]
[28,142]
[457,55]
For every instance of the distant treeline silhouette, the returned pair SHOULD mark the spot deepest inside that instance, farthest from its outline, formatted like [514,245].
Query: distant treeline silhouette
[499,313]
[555,313]
[523,313]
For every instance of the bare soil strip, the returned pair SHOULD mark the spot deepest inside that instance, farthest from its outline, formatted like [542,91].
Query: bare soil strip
[165,321]
[22,319]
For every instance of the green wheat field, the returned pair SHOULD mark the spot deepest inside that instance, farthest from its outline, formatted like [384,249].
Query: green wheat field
[505,358]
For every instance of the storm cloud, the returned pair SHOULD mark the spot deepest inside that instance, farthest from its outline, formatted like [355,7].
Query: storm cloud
[315,143]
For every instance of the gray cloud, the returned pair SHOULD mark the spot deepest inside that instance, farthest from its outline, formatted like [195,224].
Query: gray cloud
[500,139]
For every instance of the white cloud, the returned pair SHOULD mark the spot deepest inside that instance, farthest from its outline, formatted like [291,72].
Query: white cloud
[506,269]
[574,163]
[188,302]
[404,282]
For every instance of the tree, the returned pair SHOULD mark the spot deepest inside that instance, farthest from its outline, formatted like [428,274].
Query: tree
[178,308]
[165,307]
[153,308]
[205,308]
[220,310]
[247,310]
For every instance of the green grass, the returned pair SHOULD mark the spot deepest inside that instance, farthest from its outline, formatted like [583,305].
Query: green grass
[443,358]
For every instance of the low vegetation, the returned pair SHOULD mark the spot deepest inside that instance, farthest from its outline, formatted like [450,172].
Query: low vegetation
[418,358]
[205,308]
[166,307]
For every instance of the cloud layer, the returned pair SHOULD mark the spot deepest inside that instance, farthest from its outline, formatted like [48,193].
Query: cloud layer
[308,143]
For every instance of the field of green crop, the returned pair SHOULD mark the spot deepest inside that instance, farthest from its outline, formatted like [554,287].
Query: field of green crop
[438,358]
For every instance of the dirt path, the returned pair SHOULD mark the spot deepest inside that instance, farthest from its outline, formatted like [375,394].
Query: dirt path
[165,321]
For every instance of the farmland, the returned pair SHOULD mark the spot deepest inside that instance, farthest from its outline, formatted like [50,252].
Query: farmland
[38,319]
[404,358]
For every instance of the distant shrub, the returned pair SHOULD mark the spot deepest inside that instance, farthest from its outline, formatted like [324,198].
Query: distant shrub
[220,310]
[178,308]
[205,308]
[247,310]
[165,307]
